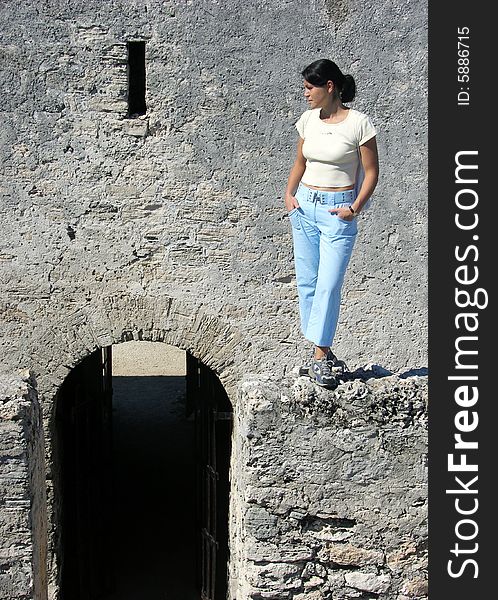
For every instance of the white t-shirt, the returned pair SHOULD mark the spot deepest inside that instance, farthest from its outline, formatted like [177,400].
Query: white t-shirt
[331,149]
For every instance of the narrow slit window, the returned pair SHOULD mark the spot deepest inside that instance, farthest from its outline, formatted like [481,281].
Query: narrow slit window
[136,79]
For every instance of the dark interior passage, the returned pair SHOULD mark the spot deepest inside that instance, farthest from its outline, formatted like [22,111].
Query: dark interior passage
[145,486]
[154,501]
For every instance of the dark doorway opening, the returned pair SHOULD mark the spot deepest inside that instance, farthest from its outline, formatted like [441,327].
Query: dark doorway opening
[144,486]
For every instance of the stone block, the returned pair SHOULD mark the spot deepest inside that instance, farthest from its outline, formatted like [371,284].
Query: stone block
[368,582]
[349,555]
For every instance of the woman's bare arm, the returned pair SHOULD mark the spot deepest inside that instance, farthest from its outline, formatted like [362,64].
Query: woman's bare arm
[370,162]
[295,177]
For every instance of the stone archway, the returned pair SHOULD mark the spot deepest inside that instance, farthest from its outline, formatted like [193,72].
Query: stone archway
[67,339]
[310,512]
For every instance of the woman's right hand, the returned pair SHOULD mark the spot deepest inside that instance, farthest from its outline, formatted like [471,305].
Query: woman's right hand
[290,202]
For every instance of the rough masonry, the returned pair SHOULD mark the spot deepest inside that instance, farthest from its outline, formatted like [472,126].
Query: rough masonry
[170,227]
[332,488]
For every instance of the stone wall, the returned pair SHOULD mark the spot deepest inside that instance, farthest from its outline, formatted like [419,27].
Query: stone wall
[328,495]
[23,510]
[331,490]
[186,201]
[170,227]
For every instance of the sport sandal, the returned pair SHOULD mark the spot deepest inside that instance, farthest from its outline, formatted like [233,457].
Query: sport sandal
[322,374]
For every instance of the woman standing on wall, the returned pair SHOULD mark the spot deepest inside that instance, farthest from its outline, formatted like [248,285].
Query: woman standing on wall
[334,174]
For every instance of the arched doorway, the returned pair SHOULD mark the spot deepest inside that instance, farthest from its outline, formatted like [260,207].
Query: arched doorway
[144,481]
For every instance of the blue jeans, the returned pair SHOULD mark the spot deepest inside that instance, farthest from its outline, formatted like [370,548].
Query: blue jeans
[322,248]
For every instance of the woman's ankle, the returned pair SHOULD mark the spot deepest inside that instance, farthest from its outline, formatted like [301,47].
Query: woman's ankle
[320,352]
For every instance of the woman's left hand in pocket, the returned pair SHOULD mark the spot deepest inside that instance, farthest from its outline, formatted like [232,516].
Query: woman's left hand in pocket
[343,213]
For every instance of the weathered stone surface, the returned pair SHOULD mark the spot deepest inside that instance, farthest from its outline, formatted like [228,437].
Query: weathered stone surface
[310,595]
[349,555]
[368,582]
[302,520]
[407,555]
[357,476]
[260,552]
[275,576]
[186,201]
[23,531]
[416,587]
[170,227]
[262,523]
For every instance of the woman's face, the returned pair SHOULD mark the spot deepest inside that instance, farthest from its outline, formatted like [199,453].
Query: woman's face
[318,96]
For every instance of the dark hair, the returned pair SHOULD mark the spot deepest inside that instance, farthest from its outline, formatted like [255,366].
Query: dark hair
[323,70]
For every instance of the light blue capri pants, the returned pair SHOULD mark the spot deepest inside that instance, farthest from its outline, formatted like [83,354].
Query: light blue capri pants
[322,248]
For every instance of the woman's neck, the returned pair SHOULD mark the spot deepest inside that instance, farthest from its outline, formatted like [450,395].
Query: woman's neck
[332,109]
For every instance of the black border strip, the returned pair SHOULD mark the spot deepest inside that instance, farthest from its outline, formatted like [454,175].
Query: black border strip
[462,397]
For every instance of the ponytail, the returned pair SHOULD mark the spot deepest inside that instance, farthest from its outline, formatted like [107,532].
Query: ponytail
[348,90]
